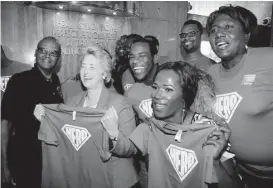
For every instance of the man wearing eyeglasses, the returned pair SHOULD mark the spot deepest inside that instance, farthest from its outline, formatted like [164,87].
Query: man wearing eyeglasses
[190,37]
[25,90]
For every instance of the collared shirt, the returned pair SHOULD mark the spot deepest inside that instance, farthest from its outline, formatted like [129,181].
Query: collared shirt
[25,90]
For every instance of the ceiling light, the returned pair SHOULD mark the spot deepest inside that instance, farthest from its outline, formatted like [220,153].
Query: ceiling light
[61,7]
[115,13]
[89,10]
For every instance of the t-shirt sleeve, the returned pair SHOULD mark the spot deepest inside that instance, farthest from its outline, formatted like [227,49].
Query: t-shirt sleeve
[46,132]
[140,138]
[9,101]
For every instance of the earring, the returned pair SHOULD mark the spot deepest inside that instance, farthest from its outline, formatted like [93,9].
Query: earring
[183,111]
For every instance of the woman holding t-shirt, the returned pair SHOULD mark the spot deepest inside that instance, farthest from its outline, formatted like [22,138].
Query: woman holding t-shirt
[244,88]
[95,74]
[183,147]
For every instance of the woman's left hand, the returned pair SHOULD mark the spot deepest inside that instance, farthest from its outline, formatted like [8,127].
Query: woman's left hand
[219,138]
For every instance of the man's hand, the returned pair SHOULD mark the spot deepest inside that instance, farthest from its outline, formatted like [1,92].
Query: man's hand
[219,138]
[110,122]
[39,111]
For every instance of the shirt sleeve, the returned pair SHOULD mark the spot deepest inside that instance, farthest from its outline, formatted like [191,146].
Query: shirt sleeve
[140,138]
[46,132]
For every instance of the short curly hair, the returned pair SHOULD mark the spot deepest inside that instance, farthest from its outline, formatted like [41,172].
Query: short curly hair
[122,50]
[120,46]
[247,19]
[104,58]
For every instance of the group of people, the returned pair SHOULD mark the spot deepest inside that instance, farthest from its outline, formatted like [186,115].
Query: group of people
[138,121]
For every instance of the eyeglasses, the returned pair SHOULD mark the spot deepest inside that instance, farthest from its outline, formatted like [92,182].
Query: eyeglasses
[189,34]
[51,53]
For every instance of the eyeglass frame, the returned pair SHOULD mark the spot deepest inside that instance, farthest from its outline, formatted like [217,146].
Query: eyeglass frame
[45,52]
[186,34]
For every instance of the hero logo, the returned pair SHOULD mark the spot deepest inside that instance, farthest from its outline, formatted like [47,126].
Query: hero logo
[127,86]
[4,82]
[183,160]
[77,135]
[226,104]
[146,107]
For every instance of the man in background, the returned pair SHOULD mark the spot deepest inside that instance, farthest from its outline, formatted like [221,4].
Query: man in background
[190,43]
[128,78]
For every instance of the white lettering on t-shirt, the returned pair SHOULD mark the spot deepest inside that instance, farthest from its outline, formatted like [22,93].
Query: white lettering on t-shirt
[4,82]
[77,135]
[127,86]
[226,105]
[248,79]
[183,160]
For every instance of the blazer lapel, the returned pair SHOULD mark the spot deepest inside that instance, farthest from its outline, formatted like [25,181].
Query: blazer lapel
[104,99]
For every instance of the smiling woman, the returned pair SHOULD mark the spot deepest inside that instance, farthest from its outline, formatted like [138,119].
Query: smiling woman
[172,158]
[95,72]
[244,88]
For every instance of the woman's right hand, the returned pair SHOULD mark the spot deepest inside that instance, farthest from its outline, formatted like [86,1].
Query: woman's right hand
[110,122]
[39,111]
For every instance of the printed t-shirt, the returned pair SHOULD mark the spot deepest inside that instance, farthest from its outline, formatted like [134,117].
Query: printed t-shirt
[139,96]
[174,161]
[127,80]
[72,150]
[245,100]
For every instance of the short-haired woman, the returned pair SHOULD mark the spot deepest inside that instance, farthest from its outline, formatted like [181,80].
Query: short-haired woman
[95,73]
[175,139]
[244,88]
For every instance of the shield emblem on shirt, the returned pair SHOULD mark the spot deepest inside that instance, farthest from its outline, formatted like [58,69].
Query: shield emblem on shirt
[226,105]
[183,160]
[77,135]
